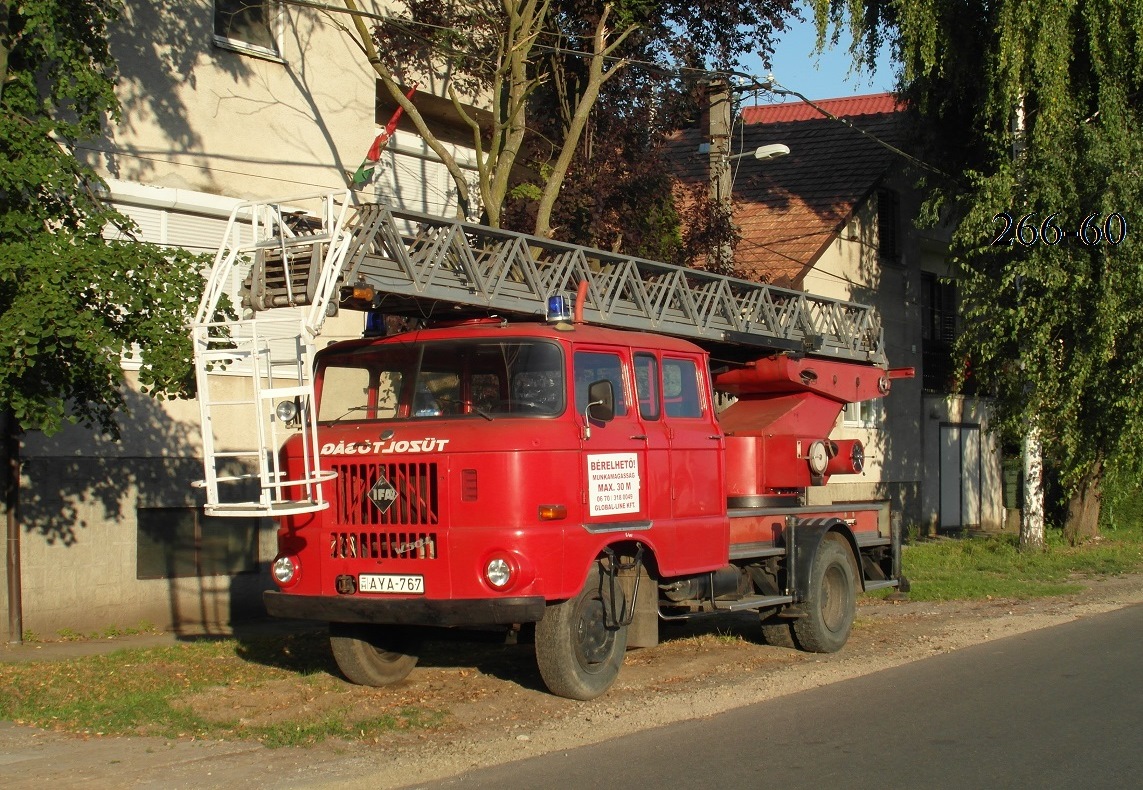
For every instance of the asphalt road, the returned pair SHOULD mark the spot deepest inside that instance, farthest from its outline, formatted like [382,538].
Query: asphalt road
[1060,707]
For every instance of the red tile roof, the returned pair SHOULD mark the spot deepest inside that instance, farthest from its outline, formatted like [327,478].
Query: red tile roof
[848,107]
[789,209]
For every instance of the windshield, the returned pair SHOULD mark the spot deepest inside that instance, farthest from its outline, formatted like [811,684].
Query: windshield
[479,378]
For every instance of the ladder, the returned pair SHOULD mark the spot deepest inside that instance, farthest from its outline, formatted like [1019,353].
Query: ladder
[287,265]
[435,267]
[263,329]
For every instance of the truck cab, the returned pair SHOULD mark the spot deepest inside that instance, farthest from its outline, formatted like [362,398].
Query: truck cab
[481,467]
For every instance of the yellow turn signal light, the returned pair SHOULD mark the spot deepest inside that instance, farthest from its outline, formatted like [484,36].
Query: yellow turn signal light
[553,512]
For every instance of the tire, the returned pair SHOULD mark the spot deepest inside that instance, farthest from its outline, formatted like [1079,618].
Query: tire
[832,602]
[778,634]
[577,653]
[372,655]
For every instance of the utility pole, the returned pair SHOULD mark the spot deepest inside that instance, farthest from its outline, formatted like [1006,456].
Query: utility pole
[720,183]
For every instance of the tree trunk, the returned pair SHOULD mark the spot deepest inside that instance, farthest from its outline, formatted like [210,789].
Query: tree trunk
[578,122]
[1083,507]
[1032,525]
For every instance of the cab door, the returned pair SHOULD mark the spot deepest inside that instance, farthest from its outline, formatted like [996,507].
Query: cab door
[648,390]
[697,476]
[614,466]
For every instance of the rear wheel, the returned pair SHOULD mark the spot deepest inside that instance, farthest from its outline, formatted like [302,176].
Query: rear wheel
[372,655]
[578,647]
[832,603]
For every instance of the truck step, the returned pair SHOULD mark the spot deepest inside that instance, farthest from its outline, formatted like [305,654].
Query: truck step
[753,602]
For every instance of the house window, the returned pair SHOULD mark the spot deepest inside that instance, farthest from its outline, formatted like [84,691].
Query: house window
[247,26]
[938,332]
[861,415]
[888,247]
[175,542]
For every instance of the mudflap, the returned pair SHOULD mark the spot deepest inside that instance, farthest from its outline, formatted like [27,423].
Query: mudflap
[633,578]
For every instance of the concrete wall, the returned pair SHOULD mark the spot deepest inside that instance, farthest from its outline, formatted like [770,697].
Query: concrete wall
[79,502]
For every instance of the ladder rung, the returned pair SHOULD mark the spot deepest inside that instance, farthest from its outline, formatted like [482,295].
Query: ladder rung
[293,241]
[287,392]
[272,510]
[319,477]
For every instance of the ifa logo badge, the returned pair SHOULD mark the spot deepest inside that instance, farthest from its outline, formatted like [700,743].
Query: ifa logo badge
[383,495]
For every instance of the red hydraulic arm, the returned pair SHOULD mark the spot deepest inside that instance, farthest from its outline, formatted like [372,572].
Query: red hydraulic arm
[777,432]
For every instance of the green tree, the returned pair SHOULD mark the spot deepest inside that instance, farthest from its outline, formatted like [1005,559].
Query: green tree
[559,75]
[71,301]
[1036,110]
[618,191]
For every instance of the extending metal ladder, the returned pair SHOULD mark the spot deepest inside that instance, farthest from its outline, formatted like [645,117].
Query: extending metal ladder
[424,265]
[299,254]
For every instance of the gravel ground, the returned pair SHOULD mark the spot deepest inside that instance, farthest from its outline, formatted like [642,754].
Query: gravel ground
[497,710]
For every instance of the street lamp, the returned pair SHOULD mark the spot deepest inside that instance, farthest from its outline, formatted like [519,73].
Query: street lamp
[772,151]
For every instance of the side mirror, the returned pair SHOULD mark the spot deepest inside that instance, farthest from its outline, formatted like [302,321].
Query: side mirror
[600,401]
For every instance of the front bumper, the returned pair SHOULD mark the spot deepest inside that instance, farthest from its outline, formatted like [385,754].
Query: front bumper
[405,611]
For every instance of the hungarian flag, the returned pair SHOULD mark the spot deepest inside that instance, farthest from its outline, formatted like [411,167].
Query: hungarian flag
[364,173]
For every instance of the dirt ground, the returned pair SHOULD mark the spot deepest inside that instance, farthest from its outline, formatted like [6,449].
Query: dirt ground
[495,709]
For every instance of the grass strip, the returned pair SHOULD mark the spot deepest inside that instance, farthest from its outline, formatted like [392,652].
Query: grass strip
[993,566]
[152,692]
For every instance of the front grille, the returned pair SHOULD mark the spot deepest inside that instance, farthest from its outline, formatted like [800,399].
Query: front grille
[383,545]
[415,503]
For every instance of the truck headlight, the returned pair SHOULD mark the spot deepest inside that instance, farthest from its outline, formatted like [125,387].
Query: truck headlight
[498,572]
[285,571]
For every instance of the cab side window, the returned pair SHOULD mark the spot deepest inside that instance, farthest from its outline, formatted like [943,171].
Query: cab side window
[647,385]
[680,388]
[591,366]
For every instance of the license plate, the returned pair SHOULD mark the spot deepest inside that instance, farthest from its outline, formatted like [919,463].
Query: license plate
[399,583]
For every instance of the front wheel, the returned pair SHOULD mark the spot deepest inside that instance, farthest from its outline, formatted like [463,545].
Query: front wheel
[578,647]
[372,655]
[832,602]
[778,634]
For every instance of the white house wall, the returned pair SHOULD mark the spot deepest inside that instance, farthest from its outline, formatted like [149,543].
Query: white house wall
[902,442]
[850,268]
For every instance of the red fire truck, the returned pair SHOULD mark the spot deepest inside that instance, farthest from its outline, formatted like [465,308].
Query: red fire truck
[515,460]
